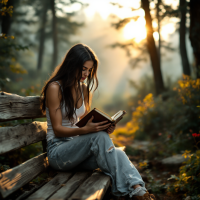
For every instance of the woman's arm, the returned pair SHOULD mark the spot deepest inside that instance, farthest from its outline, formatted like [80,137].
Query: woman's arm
[53,96]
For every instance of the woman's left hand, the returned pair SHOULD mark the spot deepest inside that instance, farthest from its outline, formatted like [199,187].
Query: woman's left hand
[111,129]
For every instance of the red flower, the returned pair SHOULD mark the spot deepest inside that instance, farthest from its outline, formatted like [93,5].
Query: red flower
[196,135]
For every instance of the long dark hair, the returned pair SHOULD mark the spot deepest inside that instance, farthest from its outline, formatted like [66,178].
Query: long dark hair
[70,74]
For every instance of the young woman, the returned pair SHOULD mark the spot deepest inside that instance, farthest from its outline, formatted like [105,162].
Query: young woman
[65,98]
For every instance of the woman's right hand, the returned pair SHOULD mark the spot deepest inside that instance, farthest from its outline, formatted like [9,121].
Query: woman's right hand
[95,127]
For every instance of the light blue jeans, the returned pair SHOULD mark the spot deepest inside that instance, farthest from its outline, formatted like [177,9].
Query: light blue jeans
[92,151]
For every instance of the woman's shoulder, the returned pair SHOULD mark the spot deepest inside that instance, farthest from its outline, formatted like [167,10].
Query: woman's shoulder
[53,89]
[53,86]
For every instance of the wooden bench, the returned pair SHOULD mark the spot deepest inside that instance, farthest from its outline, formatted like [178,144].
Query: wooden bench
[67,185]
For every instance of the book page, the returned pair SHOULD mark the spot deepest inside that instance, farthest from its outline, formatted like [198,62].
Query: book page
[117,115]
[104,114]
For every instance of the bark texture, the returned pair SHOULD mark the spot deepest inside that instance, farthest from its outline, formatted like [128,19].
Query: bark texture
[13,107]
[195,32]
[159,85]
[72,185]
[42,35]
[182,42]
[13,179]
[55,37]
[51,187]
[159,21]
[98,184]
[15,137]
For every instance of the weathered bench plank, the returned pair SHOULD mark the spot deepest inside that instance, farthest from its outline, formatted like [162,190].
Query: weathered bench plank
[93,188]
[13,107]
[68,189]
[13,179]
[15,137]
[51,187]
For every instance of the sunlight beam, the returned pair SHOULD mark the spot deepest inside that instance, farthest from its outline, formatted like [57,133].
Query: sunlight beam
[136,30]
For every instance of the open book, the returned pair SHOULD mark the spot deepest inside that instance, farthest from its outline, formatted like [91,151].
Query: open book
[100,116]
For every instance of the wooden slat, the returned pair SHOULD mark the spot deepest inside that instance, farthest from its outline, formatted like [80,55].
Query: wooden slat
[68,189]
[15,137]
[13,107]
[51,187]
[29,192]
[93,188]
[13,179]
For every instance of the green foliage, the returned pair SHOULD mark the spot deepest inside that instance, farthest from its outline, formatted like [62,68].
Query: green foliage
[8,48]
[5,10]
[131,151]
[3,167]
[171,121]
[14,158]
[31,151]
[42,177]
[31,90]
[156,186]
[8,63]
[188,180]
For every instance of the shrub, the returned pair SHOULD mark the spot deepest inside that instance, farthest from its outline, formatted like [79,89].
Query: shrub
[188,180]
[172,121]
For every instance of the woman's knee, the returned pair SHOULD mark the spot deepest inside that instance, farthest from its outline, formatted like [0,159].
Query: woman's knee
[120,152]
[102,135]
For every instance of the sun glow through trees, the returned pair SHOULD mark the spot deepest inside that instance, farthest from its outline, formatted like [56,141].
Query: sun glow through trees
[136,30]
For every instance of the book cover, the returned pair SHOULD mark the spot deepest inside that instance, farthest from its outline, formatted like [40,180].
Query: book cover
[100,116]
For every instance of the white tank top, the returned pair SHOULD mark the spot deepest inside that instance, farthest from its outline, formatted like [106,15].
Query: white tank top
[65,121]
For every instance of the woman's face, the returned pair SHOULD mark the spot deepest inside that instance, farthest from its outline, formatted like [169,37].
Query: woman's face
[86,70]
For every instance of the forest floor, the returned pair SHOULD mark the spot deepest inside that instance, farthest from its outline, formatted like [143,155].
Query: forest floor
[159,174]
[156,174]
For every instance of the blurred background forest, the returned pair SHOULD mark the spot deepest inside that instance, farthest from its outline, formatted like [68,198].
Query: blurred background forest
[149,52]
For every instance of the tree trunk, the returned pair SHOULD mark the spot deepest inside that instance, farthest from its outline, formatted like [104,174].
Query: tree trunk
[55,40]
[159,85]
[195,32]
[159,39]
[42,35]
[6,20]
[182,34]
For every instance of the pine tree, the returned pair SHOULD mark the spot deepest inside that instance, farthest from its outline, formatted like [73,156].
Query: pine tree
[195,32]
